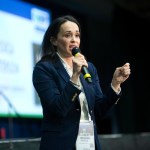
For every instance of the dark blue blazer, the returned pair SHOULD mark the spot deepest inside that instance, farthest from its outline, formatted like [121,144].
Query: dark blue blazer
[60,103]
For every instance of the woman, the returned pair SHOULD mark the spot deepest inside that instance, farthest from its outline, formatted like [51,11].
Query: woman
[65,94]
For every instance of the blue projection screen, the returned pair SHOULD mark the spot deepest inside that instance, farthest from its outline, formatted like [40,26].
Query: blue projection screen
[22,26]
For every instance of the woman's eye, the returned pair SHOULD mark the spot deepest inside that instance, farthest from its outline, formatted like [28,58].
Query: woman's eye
[78,35]
[67,35]
[70,36]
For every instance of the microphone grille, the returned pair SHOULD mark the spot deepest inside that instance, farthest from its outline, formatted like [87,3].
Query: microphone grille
[75,50]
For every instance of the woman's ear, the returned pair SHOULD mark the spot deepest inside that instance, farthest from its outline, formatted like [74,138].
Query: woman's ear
[53,41]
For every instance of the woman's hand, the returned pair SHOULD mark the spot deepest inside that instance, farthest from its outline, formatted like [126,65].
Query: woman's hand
[120,75]
[78,61]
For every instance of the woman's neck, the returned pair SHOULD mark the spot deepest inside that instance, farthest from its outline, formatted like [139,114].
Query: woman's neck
[68,60]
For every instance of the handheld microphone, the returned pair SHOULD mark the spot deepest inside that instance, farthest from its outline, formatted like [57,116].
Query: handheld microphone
[84,70]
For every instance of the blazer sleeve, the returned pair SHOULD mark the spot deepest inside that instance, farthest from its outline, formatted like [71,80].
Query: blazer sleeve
[104,100]
[56,95]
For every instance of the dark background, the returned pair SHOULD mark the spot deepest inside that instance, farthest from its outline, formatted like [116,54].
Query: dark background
[113,32]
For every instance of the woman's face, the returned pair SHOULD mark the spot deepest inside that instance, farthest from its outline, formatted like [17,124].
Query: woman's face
[68,37]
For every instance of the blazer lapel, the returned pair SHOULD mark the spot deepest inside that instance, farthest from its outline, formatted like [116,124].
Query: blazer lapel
[61,70]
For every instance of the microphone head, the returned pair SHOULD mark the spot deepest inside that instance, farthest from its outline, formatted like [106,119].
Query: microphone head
[75,50]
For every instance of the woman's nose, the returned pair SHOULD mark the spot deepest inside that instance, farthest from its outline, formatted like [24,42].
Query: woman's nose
[73,39]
